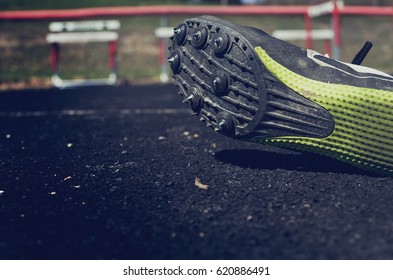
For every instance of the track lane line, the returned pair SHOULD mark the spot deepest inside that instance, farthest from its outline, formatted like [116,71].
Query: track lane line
[71,113]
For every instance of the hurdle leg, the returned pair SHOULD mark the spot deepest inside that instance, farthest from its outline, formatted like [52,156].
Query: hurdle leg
[55,58]
[327,44]
[112,51]
[162,59]
[308,28]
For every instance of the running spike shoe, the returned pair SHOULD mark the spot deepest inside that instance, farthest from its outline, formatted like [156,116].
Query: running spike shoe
[248,85]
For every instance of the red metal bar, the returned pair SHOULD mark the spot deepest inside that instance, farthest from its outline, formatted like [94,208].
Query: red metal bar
[367,10]
[112,49]
[183,10]
[161,54]
[54,57]
[308,27]
[152,10]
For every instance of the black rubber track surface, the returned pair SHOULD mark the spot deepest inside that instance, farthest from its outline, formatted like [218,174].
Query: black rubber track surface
[109,173]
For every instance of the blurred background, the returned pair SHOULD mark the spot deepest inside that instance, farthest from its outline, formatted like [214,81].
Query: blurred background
[25,59]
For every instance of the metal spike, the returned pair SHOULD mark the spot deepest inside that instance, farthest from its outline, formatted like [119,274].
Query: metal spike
[216,129]
[209,125]
[217,81]
[189,98]
[184,101]
[201,119]
[171,59]
[197,35]
[221,123]
[176,31]
[194,114]
[218,42]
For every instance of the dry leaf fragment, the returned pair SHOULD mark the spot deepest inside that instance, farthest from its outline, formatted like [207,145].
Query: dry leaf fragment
[200,185]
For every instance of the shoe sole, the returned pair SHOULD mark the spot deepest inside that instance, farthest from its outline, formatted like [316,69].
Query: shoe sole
[239,90]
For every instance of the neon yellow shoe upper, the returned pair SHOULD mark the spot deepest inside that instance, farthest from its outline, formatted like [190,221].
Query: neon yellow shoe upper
[363,130]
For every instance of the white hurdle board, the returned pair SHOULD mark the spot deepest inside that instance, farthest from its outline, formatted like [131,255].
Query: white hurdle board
[93,25]
[324,8]
[81,37]
[301,34]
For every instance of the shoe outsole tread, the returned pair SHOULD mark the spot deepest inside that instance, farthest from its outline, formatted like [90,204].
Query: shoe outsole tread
[232,86]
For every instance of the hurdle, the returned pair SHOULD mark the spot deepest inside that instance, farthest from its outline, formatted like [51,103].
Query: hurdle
[333,8]
[83,32]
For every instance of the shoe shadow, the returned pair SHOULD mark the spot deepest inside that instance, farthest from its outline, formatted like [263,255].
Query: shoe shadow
[308,162]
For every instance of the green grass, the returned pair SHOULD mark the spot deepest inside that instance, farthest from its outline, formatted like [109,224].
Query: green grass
[73,4]
[24,52]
